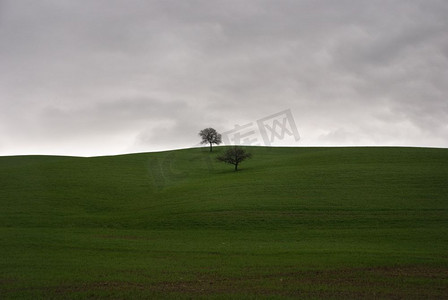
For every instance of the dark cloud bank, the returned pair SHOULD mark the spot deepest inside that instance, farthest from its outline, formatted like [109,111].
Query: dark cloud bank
[106,77]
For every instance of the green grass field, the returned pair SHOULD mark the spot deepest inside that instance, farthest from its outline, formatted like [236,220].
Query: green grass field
[292,223]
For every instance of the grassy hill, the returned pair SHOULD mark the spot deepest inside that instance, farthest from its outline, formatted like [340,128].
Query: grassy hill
[293,222]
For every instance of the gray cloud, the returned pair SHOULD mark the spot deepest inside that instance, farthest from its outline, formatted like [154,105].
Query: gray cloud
[104,77]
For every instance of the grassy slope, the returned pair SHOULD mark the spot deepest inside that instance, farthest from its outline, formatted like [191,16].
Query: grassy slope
[307,222]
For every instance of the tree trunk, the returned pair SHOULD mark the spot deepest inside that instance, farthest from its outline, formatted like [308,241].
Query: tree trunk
[210,147]
[236,167]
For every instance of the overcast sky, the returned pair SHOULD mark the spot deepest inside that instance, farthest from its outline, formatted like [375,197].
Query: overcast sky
[106,77]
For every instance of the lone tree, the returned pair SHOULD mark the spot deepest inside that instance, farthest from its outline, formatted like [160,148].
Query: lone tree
[210,136]
[234,156]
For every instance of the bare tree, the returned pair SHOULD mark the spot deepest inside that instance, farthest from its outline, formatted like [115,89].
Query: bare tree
[210,136]
[234,156]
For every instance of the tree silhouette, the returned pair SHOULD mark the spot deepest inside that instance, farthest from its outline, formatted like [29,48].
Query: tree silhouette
[210,136]
[234,156]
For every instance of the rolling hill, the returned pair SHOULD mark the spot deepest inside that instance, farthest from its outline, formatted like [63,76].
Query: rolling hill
[361,222]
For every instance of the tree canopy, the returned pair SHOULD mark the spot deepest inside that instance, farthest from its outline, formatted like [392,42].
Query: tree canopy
[234,156]
[210,136]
